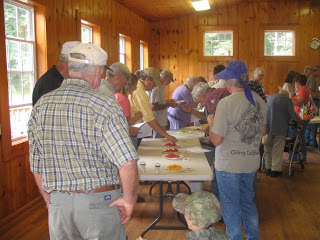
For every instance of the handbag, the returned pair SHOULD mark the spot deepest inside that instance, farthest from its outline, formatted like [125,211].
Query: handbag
[308,111]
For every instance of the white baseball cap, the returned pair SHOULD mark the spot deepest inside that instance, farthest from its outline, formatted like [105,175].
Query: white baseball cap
[67,46]
[93,55]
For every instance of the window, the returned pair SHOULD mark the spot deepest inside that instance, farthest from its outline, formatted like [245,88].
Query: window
[21,72]
[87,31]
[143,55]
[218,43]
[125,50]
[86,34]
[279,43]
[122,49]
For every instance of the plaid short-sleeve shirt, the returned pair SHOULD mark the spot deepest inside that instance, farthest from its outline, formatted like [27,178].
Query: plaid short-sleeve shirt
[78,138]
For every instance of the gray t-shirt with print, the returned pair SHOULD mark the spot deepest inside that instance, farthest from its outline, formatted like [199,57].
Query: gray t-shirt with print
[157,96]
[240,124]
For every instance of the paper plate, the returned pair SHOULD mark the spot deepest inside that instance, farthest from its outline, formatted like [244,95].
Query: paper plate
[176,158]
[174,170]
[175,145]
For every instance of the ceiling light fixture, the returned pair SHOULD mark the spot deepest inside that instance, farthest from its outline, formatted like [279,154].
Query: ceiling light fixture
[200,5]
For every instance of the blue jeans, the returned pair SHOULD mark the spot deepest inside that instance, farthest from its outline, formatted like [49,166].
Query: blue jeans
[293,134]
[310,134]
[236,192]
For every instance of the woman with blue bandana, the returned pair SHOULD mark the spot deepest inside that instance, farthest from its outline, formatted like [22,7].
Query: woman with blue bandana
[236,131]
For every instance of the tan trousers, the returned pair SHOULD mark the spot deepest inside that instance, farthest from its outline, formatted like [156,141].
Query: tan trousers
[273,151]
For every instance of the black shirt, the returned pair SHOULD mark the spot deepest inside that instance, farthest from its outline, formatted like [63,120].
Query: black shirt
[48,82]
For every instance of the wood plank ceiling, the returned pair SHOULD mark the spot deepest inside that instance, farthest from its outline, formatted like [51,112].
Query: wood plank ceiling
[155,10]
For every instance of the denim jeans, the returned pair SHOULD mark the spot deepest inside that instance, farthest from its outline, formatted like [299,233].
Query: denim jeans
[293,134]
[309,134]
[236,192]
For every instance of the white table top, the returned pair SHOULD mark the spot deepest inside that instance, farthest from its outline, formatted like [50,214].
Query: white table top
[315,120]
[150,151]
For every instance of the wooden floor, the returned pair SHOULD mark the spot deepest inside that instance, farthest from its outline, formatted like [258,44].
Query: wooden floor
[288,207]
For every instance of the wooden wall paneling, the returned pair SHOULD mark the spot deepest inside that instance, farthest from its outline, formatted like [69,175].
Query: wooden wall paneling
[175,32]
[294,12]
[114,47]
[304,21]
[183,52]
[212,18]
[233,15]
[270,13]
[284,16]
[203,69]
[203,20]
[223,16]
[210,68]
[255,30]
[193,45]
[164,44]
[246,39]
[154,44]
[315,33]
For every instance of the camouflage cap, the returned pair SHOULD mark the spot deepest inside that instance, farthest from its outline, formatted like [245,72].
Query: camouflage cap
[154,74]
[201,208]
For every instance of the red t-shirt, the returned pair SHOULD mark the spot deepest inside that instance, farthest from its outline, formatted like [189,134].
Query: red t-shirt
[302,92]
[125,104]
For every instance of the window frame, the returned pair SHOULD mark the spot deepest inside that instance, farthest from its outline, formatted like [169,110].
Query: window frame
[285,28]
[31,39]
[235,42]
[128,52]
[96,34]
[144,53]
[90,31]
[12,149]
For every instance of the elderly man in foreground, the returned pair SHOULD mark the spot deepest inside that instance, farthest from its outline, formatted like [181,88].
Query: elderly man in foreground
[79,145]
[236,131]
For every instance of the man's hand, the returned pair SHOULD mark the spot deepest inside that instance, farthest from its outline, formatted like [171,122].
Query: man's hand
[133,131]
[186,108]
[171,103]
[125,209]
[210,120]
[172,139]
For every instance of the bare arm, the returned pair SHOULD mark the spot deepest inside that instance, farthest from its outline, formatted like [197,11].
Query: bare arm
[264,130]
[158,106]
[200,115]
[156,126]
[298,101]
[45,195]
[214,138]
[130,181]
[135,118]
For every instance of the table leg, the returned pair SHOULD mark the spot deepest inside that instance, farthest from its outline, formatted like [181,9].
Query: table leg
[169,194]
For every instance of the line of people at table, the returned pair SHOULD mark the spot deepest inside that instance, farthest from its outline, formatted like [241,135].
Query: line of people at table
[82,144]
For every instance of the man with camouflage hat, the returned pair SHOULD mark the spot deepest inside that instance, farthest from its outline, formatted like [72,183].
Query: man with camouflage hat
[201,209]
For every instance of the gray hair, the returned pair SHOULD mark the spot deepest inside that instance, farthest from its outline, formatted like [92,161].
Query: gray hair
[200,88]
[119,68]
[235,82]
[63,58]
[141,74]
[82,69]
[259,71]
[192,81]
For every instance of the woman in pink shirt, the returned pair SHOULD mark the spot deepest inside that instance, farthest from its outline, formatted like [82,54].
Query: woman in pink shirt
[302,98]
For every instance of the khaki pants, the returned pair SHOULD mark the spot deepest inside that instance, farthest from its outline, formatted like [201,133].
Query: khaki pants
[273,151]
[84,216]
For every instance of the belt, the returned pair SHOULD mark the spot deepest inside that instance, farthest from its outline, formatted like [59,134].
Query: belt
[102,189]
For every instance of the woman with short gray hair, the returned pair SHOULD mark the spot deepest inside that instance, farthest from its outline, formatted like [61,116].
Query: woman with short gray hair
[180,116]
